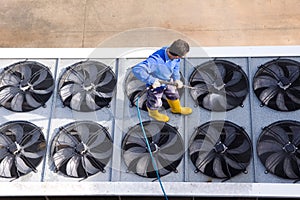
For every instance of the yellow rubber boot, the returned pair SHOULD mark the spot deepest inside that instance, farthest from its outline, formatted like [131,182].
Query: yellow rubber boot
[177,109]
[158,116]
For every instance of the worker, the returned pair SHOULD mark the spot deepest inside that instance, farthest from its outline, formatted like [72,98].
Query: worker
[164,64]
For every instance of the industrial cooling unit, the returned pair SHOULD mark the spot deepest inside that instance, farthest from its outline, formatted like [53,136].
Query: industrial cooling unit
[69,124]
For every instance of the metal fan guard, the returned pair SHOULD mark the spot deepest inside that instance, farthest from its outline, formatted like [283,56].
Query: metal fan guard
[82,148]
[281,86]
[220,149]
[99,101]
[39,98]
[218,87]
[21,148]
[287,150]
[136,134]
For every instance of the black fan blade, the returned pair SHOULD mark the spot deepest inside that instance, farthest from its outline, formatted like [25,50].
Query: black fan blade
[142,164]
[244,147]
[296,135]
[274,160]
[289,168]
[87,86]
[26,73]
[265,81]
[81,149]
[275,84]
[7,93]
[62,156]
[268,146]
[17,101]
[224,85]
[218,167]
[234,79]
[293,97]
[277,149]
[234,163]
[29,85]
[165,143]
[31,101]
[278,133]
[203,160]
[74,166]
[25,148]
[268,93]
[230,135]
[6,164]
[220,149]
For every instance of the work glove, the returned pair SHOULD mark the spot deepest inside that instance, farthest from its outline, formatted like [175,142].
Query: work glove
[179,83]
[156,84]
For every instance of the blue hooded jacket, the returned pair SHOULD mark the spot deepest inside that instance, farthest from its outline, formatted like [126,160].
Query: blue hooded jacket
[157,66]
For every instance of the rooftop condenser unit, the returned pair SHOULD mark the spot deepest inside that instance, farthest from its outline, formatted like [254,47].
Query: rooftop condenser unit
[68,119]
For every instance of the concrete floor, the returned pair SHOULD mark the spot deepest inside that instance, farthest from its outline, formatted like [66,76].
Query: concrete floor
[130,23]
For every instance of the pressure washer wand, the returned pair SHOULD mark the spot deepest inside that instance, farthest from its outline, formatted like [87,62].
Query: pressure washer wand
[175,84]
[166,83]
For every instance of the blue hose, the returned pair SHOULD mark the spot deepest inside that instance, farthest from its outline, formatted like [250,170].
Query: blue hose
[149,149]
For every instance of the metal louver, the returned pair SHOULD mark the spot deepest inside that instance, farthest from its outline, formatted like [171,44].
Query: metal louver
[277,84]
[220,149]
[220,85]
[134,88]
[25,86]
[278,149]
[81,149]
[22,148]
[87,86]
[166,146]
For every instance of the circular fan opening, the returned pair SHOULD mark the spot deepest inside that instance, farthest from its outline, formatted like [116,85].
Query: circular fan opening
[25,86]
[81,149]
[220,85]
[22,148]
[276,84]
[278,149]
[135,88]
[166,146]
[220,149]
[87,86]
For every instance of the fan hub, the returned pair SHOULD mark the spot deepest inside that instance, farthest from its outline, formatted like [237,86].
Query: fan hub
[220,147]
[154,147]
[25,87]
[290,148]
[219,84]
[81,148]
[14,148]
[89,87]
[284,85]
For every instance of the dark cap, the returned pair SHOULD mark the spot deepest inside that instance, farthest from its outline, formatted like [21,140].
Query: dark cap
[179,47]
